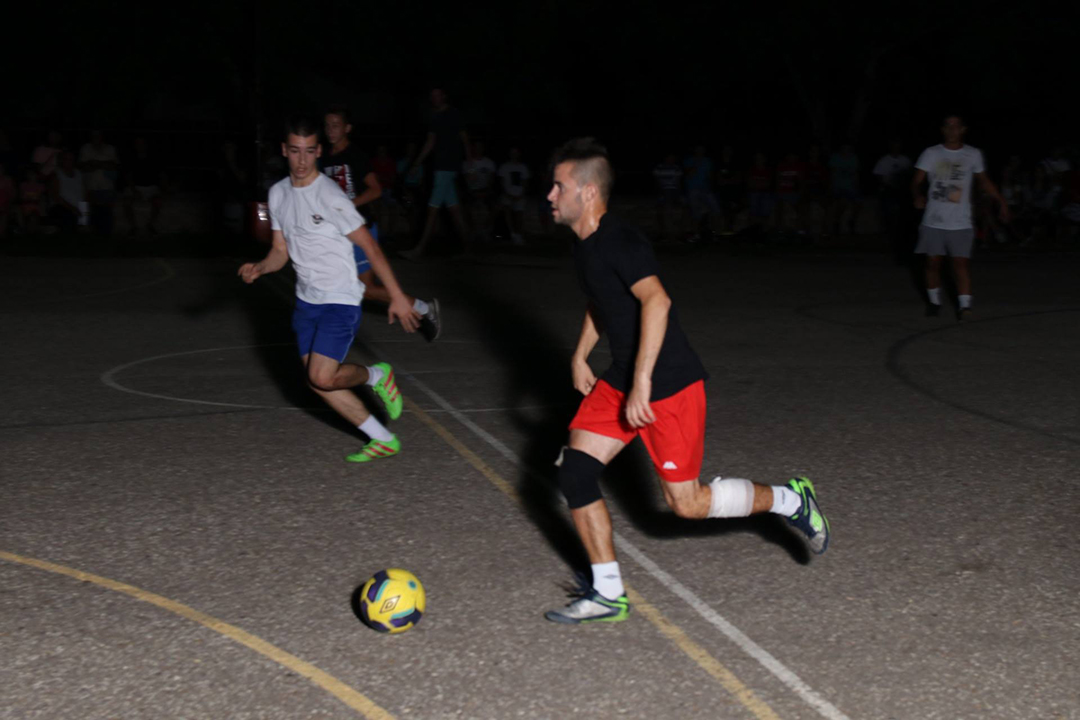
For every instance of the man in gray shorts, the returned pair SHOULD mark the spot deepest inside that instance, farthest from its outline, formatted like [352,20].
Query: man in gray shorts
[946,227]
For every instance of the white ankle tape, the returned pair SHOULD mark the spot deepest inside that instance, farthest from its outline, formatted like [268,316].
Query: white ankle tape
[731,497]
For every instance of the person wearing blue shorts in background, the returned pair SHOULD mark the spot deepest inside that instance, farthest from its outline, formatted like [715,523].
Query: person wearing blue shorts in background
[315,225]
[448,144]
[347,165]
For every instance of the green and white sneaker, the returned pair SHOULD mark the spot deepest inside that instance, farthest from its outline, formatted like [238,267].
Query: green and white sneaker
[388,392]
[591,606]
[376,449]
[809,520]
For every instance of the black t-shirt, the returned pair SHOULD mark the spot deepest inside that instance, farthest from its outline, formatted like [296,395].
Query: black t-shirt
[609,262]
[448,153]
[347,168]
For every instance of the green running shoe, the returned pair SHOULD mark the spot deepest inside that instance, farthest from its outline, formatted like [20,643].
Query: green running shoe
[388,392]
[376,449]
[809,520]
[590,606]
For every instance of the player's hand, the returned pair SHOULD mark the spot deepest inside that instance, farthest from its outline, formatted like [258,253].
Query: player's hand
[638,411]
[403,312]
[584,379]
[249,272]
[920,202]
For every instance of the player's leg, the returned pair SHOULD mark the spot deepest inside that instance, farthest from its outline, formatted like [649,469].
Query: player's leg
[960,245]
[324,334]
[580,467]
[598,433]
[676,441]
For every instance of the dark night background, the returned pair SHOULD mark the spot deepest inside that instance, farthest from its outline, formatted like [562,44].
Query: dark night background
[644,77]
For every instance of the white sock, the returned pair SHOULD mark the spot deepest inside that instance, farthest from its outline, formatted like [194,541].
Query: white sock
[374,375]
[965,301]
[375,430]
[607,580]
[731,497]
[785,501]
[420,306]
[935,295]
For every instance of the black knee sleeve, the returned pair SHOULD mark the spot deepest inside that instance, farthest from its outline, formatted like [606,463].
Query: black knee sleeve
[579,477]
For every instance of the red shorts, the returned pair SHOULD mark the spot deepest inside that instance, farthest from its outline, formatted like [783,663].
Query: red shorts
[675,441]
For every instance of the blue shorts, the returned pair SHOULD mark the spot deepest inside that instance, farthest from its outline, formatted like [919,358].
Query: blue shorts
[325,329]
[444,191]
[362,262]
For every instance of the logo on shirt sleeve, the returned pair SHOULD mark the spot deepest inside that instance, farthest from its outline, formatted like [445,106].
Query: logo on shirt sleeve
[317,219]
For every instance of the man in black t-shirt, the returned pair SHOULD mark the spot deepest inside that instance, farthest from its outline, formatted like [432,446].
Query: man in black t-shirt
[347,165]
[654,389]
[448,144]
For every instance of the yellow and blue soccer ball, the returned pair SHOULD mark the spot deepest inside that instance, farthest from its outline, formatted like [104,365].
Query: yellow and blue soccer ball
[392,601]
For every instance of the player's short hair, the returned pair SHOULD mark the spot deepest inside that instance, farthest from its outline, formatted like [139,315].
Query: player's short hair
[958,116]
[591,163]
[340,110]
[301,125]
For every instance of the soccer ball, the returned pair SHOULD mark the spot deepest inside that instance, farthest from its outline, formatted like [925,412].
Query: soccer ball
[392,601]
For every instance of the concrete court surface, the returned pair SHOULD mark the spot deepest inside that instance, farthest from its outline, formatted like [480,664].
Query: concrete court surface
[155,436]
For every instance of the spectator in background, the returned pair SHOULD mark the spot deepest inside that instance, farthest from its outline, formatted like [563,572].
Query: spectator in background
[411,174]
[515,177]
[1040,200]
[100,164]
[69,207]
[479,177]
[31,201]
[448,144]
[7,198]
[759,186]
[844,183]
[46,157]
[668,177]
[698,169]
[893,173]
[815,195]
[730,190]
[789,181]
[145,181]
[1057,166]
[386,173]
[232,188]
[7,157]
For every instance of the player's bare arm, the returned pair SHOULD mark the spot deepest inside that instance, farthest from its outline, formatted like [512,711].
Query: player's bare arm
[372,190]
[987,186]
[583,377]
[400,308]
[655,304]
[916,189]
[274,260]
[429,145]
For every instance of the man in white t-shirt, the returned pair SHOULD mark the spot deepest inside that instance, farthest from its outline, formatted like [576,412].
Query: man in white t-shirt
[315,225]
[100,166]
[515,176]
[946,227]
[892,172]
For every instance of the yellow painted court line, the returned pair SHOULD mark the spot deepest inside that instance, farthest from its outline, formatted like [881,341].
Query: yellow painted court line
[670,630]
[327,682]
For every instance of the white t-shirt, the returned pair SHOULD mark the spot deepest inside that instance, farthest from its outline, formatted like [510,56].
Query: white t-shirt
[478,173]
[892,169]
[315,220]
[70,187]
[99,179]
[513,177]
[950,173]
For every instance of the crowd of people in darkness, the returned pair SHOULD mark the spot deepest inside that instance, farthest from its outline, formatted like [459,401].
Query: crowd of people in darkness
[83,182]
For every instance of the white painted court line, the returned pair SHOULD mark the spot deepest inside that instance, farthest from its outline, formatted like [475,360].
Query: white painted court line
[755,651]
[109,378]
